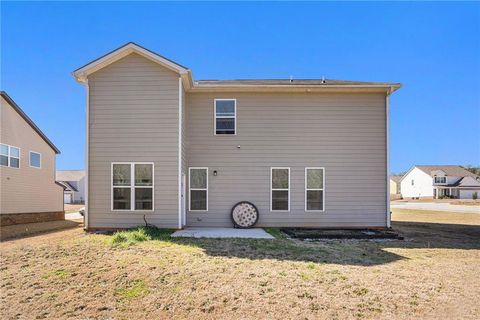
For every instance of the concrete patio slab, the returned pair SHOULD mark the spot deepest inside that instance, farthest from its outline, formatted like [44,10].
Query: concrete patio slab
[197,232]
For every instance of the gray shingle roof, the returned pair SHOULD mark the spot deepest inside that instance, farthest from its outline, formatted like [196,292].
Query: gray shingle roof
[70,175]
[396,178]
[450,170]
[288,82]
[467,182]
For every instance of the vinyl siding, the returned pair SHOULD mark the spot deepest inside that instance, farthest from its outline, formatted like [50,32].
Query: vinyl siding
[27,189]
[345,133]
[133,118]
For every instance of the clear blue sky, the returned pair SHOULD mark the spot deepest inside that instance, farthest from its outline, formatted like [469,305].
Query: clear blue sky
[433,49]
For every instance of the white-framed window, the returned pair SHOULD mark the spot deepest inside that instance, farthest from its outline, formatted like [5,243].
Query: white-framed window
[315,189]
[198,189]
[9,156]
[413,182]
[35,159]
[225,111]
[279,189]
[132,186]
[440,180]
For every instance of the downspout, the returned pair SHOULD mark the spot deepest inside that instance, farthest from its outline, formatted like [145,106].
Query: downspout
[180,112]
[387,130]
[87,124]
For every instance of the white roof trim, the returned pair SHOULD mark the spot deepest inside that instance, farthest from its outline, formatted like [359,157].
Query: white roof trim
[82,73]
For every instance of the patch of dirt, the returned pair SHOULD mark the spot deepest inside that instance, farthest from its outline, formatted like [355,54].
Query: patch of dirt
[73,275]
[365,234]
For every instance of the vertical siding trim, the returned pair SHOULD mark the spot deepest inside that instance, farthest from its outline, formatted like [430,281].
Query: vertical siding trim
[180,152]
[87,138]
[387,156]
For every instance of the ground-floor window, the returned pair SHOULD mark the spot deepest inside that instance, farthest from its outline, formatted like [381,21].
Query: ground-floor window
[132,186]
[198,186]
[280,189]
[314,189]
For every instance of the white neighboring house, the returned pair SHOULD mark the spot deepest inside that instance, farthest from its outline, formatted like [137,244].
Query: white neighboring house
[438,182]
[74,183]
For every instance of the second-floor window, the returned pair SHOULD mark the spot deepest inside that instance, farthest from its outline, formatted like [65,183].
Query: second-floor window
[441,180]
[9,156]
[225,116]
[35,159]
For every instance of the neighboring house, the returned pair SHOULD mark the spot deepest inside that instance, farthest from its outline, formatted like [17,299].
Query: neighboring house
[440,181]
[28,189]
[306,153]
[395,188]
[74,182]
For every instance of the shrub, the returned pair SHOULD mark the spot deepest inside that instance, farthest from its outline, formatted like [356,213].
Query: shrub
[475,196]
[137,288]
[139,234]
[119,237]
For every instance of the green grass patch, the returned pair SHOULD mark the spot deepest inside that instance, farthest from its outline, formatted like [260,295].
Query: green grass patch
[139,234]
[137,288]
[60,273]
[275,232]
[360,291]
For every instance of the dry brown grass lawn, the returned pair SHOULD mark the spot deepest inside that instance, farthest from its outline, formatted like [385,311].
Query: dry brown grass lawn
[433,274]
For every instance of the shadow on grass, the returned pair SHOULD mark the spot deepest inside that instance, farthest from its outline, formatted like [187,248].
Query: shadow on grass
[438,235]
[344,252]
[19,231]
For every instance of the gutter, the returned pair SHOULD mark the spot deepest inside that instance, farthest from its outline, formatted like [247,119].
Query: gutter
[387,131]
[87,135]
[180,111]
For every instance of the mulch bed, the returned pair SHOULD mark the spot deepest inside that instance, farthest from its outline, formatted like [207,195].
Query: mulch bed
[304,234]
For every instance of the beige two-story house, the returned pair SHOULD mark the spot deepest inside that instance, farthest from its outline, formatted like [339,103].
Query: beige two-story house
[179,152]
[28,191]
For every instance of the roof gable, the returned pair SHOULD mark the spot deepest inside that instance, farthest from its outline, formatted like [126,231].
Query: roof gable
[437,173]
[83,72]
[28,120]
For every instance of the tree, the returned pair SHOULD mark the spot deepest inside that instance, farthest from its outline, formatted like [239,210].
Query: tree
[472,169]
